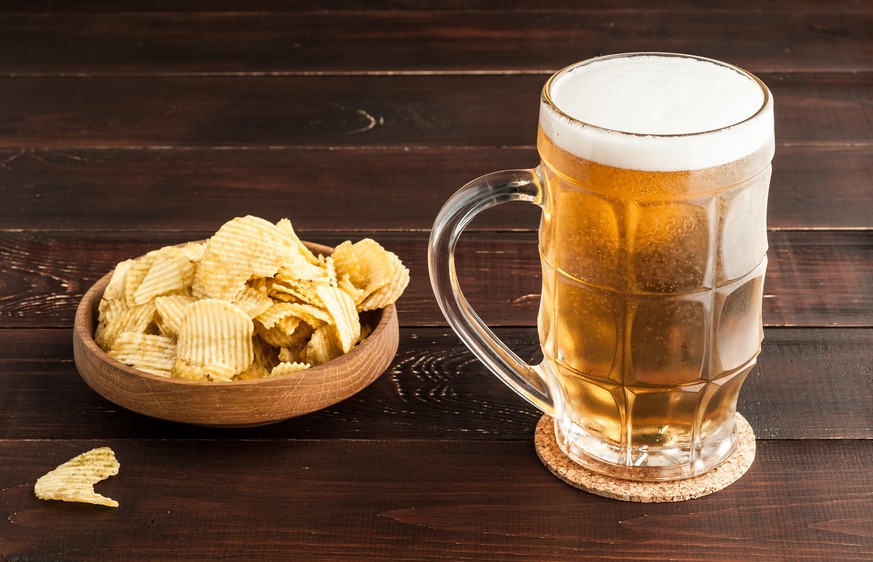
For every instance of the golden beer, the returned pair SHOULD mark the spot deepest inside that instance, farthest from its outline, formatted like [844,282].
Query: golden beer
[653,186]
[651,305]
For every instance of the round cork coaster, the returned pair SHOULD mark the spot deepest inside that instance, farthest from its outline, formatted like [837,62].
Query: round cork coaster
[722,476]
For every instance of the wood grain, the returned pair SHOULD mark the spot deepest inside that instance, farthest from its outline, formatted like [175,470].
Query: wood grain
[94,189]
[808,384]
[211,6]
[815,278]
[459,41]
[129,125]
[425,500]
[355,111]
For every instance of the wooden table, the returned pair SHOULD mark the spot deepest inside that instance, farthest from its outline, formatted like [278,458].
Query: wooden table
[129,125]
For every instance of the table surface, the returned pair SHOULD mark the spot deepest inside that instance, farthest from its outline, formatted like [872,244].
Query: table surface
[129,125]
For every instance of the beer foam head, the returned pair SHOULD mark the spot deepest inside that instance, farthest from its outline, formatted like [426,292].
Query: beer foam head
[657,112]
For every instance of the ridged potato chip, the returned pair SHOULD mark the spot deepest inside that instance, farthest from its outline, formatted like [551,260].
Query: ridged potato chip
[135,276]
[73,481]
[150,353]
[136,319]
[285,226]
[369,268]
[113,295]
[186,371]
[266,358]
[343,314]
[322,346]
[194,250]
[253,302]
[288,368]
[345,283]
[390,291]
[216,336]
[290,332]
[170,313]
[242,248]
[346,263]
[171,271]
[312,315]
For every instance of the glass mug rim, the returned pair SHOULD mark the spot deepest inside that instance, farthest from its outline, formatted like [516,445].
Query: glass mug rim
[546,96]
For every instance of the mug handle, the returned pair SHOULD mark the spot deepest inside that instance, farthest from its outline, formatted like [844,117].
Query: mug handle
[480,194]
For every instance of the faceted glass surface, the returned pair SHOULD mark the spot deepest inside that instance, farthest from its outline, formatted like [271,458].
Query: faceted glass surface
[651,320]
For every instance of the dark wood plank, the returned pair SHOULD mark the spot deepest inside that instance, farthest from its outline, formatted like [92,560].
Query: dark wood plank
[814,278]
[809,384]
[800,286]
[355,111]
[426,500]
[544,41]
[400,188]
[128,6]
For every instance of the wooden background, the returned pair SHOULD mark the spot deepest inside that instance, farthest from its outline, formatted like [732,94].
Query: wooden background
[129,125]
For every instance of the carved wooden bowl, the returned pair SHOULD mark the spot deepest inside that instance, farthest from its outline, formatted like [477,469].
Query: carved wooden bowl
[238,403]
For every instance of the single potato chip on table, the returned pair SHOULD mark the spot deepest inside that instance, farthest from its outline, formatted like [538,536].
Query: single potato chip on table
[74,480]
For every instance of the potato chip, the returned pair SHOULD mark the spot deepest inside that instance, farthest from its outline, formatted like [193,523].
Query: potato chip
[288,368]
[330,267]
[242,248]
[285,293]
[308,313]
[114,292]
[216,336]
[346,263]
[149,353]
[285,226]
[266,357]
[322,346]
[368,265]
[136,319]
[345,283]
[298,268]
[135,276]
[193,251]
[300,284]
[170,271]
[253,302]
[253,372]
[186,371]
[109,310]
[388,293]
[276,312]
[344,316]
[293,354]
[74,480]
[170,312]
[290,332]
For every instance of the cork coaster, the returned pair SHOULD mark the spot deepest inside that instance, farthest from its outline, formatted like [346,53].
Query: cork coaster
[722,476]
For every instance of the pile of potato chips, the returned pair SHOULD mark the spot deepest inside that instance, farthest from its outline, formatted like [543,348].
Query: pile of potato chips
[251,302]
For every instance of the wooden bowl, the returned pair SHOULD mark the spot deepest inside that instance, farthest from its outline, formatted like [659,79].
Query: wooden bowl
[238,403]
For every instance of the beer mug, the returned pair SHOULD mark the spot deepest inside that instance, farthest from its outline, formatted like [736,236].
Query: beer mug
[653,186]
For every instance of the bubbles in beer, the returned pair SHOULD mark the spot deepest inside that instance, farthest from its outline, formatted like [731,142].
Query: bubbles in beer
[654,253]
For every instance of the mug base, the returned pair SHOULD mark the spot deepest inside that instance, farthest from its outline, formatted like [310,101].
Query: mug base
[579,476]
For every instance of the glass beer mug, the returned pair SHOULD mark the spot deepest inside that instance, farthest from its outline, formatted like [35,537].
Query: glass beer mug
[653,187]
